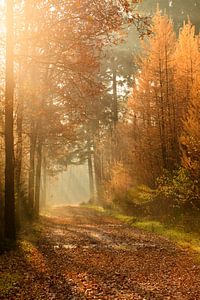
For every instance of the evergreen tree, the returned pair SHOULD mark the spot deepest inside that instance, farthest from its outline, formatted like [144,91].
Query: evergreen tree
[191,136]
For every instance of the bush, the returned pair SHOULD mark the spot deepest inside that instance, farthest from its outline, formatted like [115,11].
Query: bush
[117,187]
[174,197]
[134,201]
[177,188]
[140,194]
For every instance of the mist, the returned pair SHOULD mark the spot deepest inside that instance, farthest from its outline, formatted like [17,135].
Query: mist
[69,187]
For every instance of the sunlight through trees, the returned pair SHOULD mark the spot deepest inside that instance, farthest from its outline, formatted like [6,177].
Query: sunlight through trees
[79,89]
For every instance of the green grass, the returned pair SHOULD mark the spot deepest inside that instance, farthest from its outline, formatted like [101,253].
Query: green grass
[124,218]
[184,239]
[94,207]
[188,240]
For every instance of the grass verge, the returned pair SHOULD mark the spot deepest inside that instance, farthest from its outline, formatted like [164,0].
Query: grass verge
[187,240]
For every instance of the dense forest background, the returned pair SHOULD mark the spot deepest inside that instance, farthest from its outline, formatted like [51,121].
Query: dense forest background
[112,84]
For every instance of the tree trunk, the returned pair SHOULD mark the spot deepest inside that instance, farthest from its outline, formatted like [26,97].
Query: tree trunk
[31,191]
[38,178]
[10,228]
[44,182]
[19,149]
[115,103]
[98,178]
[162,121]
[1,212]
[91,174]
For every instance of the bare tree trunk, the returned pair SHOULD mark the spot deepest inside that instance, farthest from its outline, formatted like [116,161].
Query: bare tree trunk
[38,178]
[91,174]
[115,103]
[162,121]
[44,182]
[98,178]
[1,212]
[31,191]
[10,228]
[19,149]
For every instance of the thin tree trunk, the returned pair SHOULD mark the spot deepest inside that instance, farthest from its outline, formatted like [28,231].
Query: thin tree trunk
[163,128]
[98,179]
[31,191]
[115,103]
[38,178]
[44,185]
[10,228]
[19,149]
[91,174]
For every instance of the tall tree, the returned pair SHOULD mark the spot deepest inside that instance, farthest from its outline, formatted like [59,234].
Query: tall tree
[152,103]
[10,229]
[187,66]
[191,137]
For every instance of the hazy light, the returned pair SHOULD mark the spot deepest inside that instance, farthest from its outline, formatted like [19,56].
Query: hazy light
[69,187]
[52,9]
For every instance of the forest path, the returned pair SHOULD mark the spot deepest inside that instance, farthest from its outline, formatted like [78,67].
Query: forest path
[83,254]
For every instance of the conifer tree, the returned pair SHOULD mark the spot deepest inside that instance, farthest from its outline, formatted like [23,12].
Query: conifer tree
[191,136]
[153,100]
[187,66]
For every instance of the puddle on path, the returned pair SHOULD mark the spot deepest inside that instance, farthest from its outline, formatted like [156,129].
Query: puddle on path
[66,246]
[73,246]
[118,246]
[101,240]
[59,232]
[69,246]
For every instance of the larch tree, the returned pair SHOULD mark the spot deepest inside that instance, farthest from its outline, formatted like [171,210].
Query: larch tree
[162,46]
[187,66]
[190,138]
[152,103]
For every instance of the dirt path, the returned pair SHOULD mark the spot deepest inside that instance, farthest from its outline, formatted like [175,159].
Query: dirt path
[82,254]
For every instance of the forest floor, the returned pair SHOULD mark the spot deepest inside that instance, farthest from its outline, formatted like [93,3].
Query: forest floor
[78,253]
